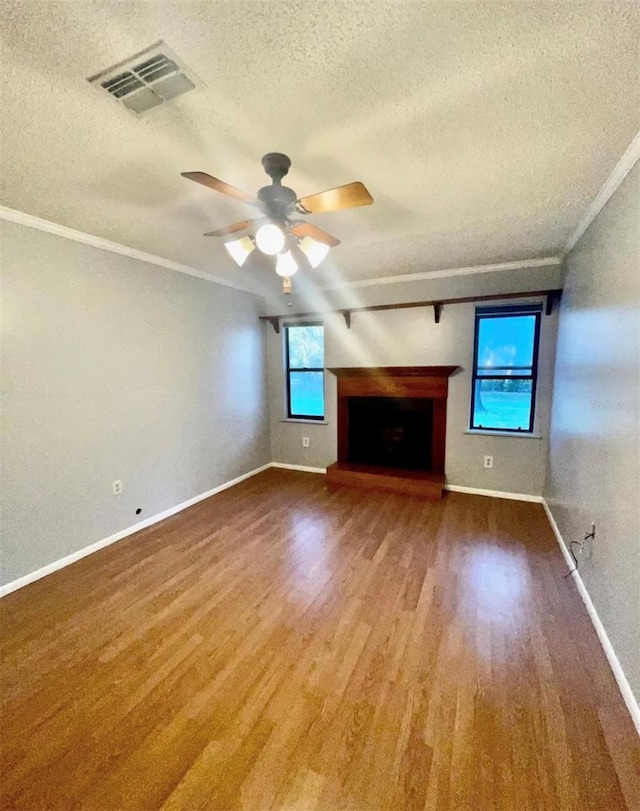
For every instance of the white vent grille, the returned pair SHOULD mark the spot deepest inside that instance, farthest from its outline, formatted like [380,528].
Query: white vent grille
[147,79]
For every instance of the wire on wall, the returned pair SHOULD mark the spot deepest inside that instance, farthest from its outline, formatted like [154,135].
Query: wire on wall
[575,559]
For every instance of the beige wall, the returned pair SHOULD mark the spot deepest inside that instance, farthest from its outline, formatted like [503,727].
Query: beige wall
[115,369]
[410,337]
[594,461]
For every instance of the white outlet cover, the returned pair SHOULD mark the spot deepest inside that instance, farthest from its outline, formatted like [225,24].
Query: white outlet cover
[488,462]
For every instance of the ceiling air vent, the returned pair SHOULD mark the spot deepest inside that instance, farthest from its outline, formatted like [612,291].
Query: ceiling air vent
[147,79]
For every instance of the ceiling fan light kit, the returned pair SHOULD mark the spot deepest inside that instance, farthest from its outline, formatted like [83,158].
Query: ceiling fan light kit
[314,251]
[270,239]
[275,228]
[286,265]
[239,249]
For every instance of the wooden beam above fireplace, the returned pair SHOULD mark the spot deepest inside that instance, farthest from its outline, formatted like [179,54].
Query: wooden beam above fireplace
[551,297]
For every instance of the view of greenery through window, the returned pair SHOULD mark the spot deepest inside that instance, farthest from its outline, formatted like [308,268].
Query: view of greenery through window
[503,379]
[504,373]
[305,370]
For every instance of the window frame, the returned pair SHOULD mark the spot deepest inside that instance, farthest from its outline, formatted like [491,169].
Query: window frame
[508,311]
[288,369]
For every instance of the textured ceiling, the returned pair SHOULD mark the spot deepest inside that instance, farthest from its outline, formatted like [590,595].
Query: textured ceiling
[483,130]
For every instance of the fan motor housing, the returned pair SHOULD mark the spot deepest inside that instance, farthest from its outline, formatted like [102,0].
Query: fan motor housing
[276,200]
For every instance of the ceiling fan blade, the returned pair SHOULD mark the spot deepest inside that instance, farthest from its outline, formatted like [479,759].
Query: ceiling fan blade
[349,196]
[305,229]
[219,185]
[231,229]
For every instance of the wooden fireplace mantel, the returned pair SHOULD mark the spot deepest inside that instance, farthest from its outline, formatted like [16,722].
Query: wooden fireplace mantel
[429,382]
[391,381]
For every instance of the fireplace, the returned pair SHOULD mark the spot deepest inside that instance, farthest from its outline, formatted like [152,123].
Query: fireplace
[392,428]
[390,432]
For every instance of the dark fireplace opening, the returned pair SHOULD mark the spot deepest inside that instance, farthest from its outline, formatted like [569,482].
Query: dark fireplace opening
[391,432]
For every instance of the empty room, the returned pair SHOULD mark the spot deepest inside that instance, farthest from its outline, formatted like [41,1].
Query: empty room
[320,448]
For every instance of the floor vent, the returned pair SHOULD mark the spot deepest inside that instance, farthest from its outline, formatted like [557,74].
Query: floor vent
[147,79]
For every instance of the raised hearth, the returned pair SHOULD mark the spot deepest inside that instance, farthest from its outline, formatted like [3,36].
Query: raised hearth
[392,428]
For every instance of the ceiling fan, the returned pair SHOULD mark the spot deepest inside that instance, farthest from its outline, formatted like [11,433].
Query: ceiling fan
[278,231]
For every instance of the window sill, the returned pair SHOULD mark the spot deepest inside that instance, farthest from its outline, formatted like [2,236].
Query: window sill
[304,422]
[510,434]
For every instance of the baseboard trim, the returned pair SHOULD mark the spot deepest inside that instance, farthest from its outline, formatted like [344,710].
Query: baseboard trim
[477,491]
[38,574]
[616,667]
[614,662]
[302,468]
[454,488]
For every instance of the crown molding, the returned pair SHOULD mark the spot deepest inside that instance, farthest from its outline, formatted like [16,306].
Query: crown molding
[545,261]
[619,173]
[621,170]
[20,217]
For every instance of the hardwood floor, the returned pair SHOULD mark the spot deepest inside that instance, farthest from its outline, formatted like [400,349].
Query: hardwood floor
[286,646]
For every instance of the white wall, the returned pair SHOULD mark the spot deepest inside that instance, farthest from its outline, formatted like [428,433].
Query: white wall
[410,337]
[115,369]
[594,460]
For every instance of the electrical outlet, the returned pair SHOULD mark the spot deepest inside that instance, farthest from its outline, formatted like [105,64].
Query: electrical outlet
[117,488]
[305,441]
[488,461]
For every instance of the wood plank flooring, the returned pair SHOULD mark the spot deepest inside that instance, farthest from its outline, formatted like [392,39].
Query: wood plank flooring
[287,646]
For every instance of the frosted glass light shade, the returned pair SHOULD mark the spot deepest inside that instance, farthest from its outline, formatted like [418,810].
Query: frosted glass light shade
[286,265]
[240,249]
[313,250]
[270,239]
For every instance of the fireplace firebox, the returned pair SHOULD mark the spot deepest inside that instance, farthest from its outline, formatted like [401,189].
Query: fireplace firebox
[391,432]
[392,428]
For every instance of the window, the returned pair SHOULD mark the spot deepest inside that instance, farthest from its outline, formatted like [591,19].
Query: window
[304,347]
[505,365]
